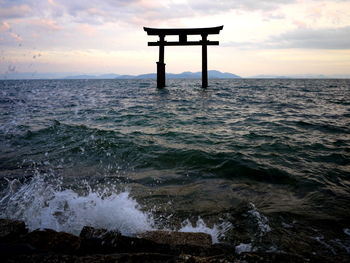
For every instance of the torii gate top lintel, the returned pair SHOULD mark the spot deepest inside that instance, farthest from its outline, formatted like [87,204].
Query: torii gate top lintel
[182,33]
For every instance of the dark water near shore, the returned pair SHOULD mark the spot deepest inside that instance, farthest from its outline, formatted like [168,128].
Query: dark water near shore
[250,161]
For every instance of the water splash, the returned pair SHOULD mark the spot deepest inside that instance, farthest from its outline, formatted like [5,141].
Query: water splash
[261,220]
[242,247]
[43,203]
[217,231]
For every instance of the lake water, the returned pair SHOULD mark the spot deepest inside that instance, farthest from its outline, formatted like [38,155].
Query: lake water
[260,164]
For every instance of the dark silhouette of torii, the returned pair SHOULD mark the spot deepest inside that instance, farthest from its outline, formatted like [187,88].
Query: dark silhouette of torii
[182,33]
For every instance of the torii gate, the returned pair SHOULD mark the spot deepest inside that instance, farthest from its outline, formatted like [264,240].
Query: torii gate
[182,33]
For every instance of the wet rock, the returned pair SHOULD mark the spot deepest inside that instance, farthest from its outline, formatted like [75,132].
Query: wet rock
[203,251]
[98,240]
[42,257]
[13,248]
[163,242]
[104,241]
[99,234]
[264,257]
[99,258]
[131,257]
[198,245]
[50,240]
[178,238]
[11,230]
[101,245]
[214,259]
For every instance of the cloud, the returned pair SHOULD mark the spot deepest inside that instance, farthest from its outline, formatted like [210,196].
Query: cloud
[16,37]
[104,9]
[86,29]
[8,35]
[63,18]
[52,2]
[4,26]
[326,38]
[14,11]
[210,6]
[164,11]
[45,24]
[95,10]
[301,38]
[129,11]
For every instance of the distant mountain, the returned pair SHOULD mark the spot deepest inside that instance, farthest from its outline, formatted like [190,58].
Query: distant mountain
[301,76]
[81,77]
[32,75]
[104,76]
[212,74]
[36,75]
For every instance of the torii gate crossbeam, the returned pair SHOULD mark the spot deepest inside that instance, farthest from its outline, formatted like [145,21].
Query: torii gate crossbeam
[182,33]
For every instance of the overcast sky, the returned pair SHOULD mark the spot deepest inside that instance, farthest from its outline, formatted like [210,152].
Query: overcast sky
[106,36]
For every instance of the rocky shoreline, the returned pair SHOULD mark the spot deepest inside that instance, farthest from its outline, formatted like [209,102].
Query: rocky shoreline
[17,244]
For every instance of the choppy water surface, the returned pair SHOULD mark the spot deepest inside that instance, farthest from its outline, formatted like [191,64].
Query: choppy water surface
[261,164]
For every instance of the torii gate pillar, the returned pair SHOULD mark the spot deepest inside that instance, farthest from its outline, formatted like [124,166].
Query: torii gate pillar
[182,33]
[161,64]
[204,62]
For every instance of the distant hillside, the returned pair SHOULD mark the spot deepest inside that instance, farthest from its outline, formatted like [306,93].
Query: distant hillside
[301,76]
[212,74]
[104,76]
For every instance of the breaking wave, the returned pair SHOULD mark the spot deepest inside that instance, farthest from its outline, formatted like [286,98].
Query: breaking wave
[42,202]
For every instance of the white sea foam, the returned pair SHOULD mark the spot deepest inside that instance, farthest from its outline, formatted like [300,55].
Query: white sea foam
[244,248]
[216,232]
[42,205]
[42,202]
[347,231]
[261,220]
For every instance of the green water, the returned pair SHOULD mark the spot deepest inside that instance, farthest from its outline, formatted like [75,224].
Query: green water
[266,157]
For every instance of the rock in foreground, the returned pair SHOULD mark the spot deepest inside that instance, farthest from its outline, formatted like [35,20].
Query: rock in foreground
[178,238]
[11,229]
[100,245]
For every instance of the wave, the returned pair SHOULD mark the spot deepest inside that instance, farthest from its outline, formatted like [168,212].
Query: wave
[136,157]
[320,127]
[42,202]
[64,146]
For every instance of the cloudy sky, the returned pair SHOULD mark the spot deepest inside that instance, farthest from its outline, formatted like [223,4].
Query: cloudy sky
[106,36]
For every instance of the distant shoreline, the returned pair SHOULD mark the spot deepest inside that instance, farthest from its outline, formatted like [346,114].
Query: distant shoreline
[243,78]
[212,74]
